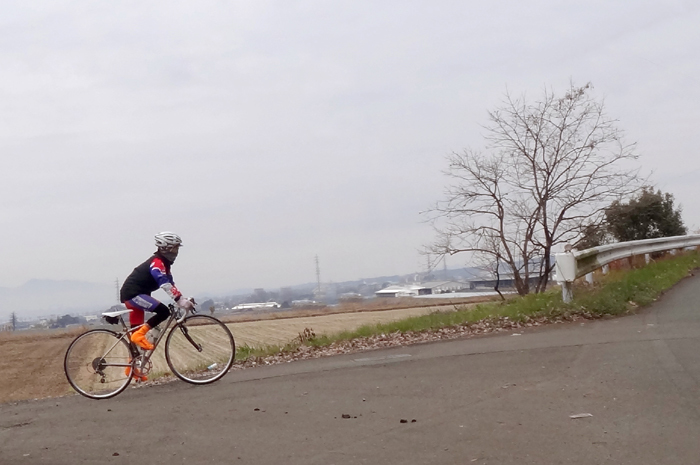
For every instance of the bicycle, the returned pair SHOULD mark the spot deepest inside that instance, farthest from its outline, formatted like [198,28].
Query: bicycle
[100,363]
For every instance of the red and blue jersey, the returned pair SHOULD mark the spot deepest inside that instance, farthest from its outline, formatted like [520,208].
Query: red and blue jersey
[149,276]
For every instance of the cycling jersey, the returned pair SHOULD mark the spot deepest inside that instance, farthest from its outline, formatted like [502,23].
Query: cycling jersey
[150,275]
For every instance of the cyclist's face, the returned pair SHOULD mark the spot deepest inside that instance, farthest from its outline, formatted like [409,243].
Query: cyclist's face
[170,252]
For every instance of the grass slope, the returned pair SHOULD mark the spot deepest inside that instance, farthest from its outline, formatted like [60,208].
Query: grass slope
[617,293]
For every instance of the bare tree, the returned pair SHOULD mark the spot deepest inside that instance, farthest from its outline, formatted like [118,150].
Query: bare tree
[551,168]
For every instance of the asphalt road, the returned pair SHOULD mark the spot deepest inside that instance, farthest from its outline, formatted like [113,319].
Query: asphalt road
[504,399]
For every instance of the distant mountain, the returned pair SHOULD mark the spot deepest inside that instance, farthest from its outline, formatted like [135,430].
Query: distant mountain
[44,297]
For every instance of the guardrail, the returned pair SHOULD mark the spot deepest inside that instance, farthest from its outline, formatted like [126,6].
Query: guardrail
[575,264]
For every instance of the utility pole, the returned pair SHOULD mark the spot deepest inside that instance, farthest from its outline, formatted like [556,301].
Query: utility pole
[13,320]
[318,276]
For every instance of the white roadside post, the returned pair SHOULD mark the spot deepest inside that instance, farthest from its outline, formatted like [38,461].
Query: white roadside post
[566,272]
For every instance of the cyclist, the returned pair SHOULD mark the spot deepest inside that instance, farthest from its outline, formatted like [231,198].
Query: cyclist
[152,274]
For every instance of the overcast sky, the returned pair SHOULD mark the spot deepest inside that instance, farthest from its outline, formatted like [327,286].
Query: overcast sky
[268,132]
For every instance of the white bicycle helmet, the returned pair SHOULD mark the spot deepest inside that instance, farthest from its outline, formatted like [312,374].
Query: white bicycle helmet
[167,240]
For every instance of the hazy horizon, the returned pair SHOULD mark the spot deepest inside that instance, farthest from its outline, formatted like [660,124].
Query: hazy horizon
[42,297]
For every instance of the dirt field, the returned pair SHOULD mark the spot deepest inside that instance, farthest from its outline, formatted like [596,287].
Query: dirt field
[282,331]
[31,365]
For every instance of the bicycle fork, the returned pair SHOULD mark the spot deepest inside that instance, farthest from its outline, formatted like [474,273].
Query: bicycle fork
[186,333]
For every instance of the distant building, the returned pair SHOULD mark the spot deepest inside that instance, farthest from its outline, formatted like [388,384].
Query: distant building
[350,297]
[286,293]
[416,290]
[441,287]
[403,291]
[254,305]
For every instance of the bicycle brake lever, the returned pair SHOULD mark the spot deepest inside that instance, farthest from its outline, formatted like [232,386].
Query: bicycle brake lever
[184,315]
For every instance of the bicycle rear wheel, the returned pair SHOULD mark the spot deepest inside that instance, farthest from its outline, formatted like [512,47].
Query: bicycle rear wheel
[98,364]
[200,349]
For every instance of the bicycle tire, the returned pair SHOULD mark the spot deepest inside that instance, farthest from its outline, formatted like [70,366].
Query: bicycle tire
[97,364]
[188,362]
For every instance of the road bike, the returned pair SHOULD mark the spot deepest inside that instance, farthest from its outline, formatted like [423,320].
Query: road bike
[100,363]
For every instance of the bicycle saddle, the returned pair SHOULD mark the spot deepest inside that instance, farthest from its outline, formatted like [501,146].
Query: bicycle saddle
[113,317]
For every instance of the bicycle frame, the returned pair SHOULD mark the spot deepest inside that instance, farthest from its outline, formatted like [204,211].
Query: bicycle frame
[176,314]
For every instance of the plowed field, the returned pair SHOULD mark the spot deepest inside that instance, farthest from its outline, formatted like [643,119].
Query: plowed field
[31,366]
[281,331]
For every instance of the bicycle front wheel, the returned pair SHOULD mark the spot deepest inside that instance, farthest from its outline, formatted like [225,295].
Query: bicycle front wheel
[98,364]
[200,349]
